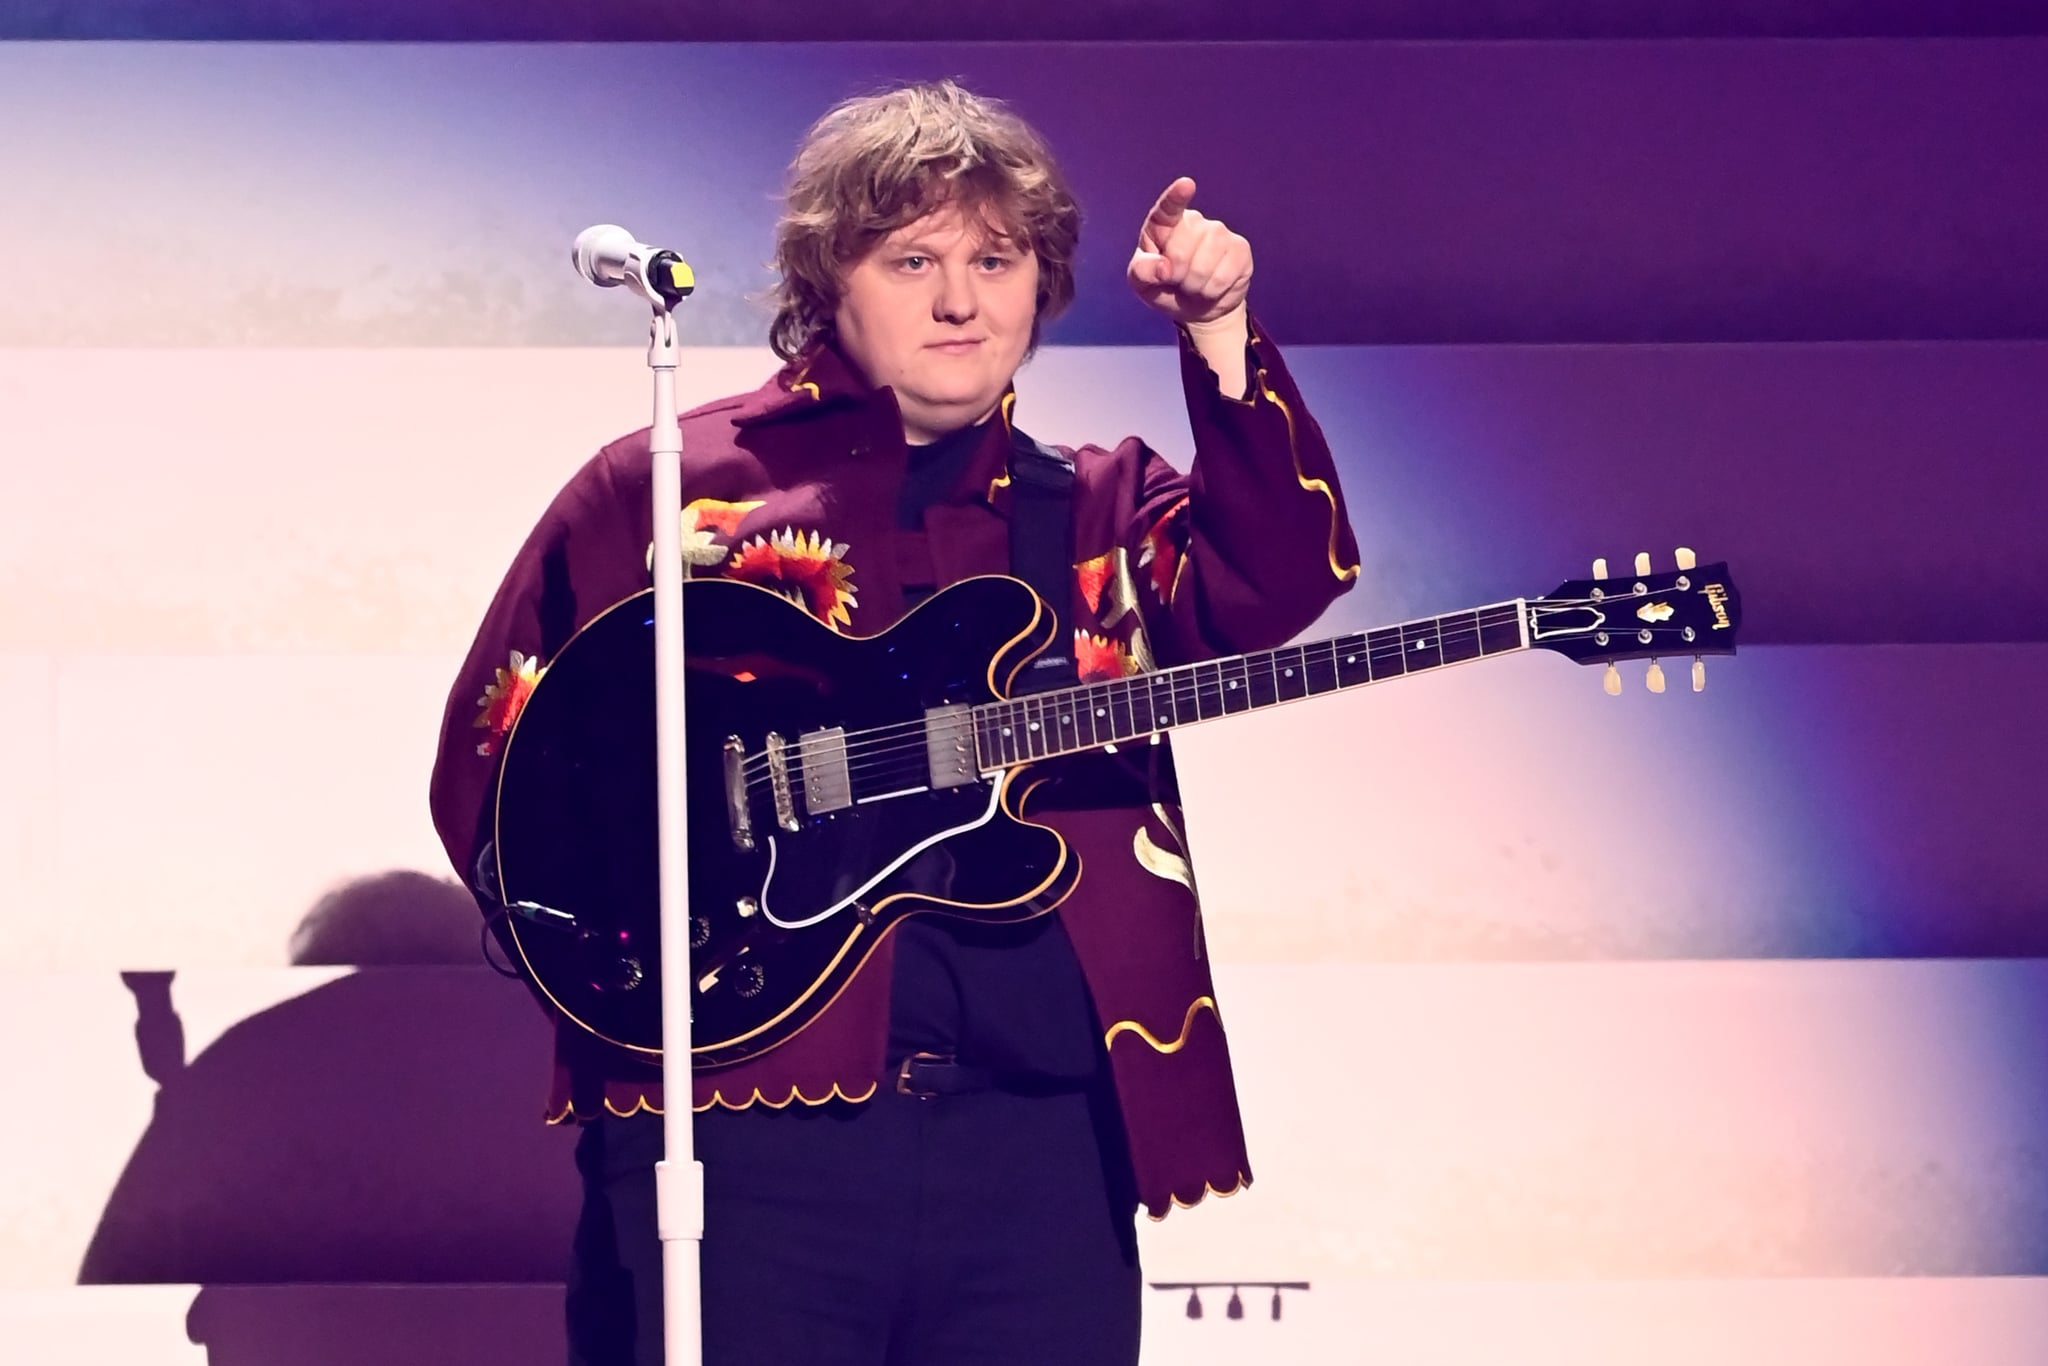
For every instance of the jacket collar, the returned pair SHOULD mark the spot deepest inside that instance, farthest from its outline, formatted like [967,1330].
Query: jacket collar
[820,378]
[816,378]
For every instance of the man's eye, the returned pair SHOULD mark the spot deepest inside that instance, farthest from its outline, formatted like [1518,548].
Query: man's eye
[913,262]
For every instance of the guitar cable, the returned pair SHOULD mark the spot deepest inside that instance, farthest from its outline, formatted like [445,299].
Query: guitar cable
[484,883]
[484,945]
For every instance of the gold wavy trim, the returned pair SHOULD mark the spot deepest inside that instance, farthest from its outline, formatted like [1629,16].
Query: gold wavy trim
[1301,477]
[1002,481]
[567,1114]
[797,381]
[641,1103]
[795,1094]
[1159,1045]
[1208,1190]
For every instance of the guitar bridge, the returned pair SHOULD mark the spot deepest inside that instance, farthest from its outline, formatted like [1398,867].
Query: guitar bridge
[949,747]
[736,813]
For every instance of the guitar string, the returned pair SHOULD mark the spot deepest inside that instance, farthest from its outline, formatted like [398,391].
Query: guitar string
[910,768]
[1049,731]
[1164,700]
[1150,683]
[1157,695]
[865,749]
[908,755]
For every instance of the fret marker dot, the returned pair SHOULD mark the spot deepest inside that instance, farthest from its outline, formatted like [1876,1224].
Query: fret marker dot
[1066,720]
[1290,673]
[1233,682]
[1101,711]
[1006,730]
[1351,659]
[1034,725]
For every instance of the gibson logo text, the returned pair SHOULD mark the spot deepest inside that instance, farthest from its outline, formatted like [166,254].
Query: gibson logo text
[1717,598]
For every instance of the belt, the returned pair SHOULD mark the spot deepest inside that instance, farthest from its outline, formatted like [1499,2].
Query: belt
[929,1075]
[926,1075]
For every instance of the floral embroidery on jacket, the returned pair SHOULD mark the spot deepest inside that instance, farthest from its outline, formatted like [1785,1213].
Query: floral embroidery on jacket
[1160,551]
[703,522]
[504,698]
[1098,657]
[804,567]
[1106,586]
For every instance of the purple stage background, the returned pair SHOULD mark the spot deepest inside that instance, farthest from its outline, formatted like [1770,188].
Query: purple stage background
[290,353]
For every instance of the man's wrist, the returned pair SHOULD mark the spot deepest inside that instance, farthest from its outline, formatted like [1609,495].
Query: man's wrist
[1221,343]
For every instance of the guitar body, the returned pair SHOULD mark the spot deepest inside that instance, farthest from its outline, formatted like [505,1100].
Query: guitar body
[778,929]
[837,784]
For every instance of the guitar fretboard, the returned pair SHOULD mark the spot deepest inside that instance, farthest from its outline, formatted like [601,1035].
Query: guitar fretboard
[1071,720]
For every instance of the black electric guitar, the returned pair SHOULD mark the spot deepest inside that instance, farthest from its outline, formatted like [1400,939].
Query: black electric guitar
[839,783]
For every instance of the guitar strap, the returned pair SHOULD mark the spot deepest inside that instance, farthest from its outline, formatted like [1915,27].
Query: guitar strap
[1042,550]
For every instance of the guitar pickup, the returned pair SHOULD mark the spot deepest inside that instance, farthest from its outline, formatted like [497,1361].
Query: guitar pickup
[827,784]
[949,747]
[778,783]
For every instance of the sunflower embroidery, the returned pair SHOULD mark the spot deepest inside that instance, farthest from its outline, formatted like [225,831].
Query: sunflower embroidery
[1106,586]
[503,700]
[1097,658]
[703,522]
[1159,551]
[804,567]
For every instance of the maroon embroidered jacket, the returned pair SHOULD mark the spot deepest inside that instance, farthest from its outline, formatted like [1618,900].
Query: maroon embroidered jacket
[793,487]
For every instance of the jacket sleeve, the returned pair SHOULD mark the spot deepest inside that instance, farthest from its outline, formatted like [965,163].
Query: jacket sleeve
[586,552]
[1249,546]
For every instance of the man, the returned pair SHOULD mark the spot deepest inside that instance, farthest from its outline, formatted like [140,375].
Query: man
[945,1165]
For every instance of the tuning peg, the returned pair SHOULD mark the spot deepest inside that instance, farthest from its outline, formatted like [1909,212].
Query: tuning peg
[1611,681]
[1699,674]
[1655,678]
[1600,568]
[1687,561]
[1642,562]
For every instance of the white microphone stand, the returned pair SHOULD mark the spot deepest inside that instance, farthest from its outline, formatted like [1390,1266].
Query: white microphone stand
[678,1177]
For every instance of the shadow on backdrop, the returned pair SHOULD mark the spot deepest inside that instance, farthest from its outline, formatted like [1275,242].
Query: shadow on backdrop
[381,1128]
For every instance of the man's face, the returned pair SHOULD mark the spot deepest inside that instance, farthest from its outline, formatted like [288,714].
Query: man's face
[941,311]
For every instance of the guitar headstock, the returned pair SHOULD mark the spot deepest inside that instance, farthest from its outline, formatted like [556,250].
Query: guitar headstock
[1693,610]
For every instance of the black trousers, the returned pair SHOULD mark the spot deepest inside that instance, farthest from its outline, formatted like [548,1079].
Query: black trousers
[986,1228]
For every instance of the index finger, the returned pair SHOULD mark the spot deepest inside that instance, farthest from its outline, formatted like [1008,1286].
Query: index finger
[1171,204]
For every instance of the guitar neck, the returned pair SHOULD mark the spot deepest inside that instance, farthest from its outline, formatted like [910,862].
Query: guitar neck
[1072,720]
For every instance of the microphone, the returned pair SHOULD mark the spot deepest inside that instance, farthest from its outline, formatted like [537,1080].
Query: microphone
[608,255]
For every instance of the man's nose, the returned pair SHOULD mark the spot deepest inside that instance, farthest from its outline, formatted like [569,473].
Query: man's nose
[954,300]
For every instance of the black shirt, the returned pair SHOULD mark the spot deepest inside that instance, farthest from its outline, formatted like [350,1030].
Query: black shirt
[1010,998]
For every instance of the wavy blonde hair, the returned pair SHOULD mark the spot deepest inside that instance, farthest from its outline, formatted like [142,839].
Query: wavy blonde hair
[879,162]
